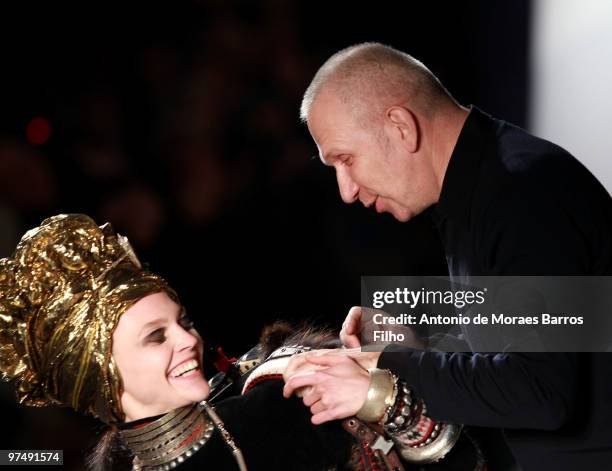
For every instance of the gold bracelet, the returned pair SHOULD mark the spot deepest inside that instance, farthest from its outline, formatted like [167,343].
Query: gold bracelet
[380,397]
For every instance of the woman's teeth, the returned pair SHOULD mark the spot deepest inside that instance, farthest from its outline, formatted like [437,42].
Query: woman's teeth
[184,368]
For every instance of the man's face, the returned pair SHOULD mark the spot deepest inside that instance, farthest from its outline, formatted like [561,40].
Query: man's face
[372,164]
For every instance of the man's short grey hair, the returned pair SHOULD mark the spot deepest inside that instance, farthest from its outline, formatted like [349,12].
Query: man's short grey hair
[370,77]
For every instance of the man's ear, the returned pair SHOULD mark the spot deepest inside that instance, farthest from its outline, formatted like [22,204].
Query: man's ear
[404,123]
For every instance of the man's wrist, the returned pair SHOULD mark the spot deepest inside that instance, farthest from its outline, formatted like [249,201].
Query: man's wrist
[380,398]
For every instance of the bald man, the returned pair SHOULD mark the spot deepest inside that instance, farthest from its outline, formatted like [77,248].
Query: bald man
[505,203]
[356,110]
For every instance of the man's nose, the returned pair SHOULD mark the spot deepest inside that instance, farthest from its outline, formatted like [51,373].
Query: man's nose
[349,190]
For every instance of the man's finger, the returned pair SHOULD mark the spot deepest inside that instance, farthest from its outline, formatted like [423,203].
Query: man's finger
[303,391]
[364,359]
[317,408]
[328,360]
[294,364]
[351,341]
[311,397]
[300,380]
[349,335]
[353,320]
[305,367]
[327,415]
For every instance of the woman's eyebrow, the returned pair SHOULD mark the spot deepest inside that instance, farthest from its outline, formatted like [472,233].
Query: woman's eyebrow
[161,321]
[152,323]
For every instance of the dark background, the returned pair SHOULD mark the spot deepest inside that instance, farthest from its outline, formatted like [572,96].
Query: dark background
[179,124]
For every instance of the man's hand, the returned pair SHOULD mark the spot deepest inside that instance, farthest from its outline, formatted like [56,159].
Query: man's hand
[359,324]
[301,363]
[335,390]
[349,335]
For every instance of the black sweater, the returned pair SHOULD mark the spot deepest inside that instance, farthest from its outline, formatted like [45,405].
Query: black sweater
[513,204]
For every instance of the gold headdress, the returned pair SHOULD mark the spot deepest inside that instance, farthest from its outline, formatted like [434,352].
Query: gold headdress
[61,296]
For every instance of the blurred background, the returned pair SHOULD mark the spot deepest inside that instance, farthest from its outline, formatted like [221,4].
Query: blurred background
[179,124]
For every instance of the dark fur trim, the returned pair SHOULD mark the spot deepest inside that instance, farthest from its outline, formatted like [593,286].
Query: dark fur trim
[282,333]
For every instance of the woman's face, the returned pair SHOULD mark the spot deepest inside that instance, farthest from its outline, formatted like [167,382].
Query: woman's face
[159,357]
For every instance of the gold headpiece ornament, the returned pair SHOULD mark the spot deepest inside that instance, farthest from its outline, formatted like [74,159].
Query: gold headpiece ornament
[61,296]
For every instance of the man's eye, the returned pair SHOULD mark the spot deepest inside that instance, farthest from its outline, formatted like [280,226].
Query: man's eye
[157,336]
[186,323]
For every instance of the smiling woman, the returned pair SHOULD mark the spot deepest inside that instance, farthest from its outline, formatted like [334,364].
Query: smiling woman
[83,325]
[159,355]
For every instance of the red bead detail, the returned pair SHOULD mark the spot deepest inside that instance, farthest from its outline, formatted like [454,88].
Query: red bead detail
[426,434]
[222,362]
[191,437]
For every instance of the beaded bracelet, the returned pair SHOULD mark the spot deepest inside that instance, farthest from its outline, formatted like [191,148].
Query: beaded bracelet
[407,421]
[403,412]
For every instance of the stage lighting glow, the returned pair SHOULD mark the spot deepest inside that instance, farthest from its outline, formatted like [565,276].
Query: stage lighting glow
[38,131]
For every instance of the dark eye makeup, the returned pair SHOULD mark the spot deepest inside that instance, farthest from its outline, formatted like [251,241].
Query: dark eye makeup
[185,322]
[157,336]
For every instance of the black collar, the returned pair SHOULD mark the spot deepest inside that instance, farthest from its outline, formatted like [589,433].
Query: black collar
[463,168]
[136,423]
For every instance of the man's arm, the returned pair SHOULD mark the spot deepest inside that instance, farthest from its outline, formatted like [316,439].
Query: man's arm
[509,390]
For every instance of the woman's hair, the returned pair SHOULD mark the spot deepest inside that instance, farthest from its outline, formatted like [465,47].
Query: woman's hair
[101,457]
[109,453]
